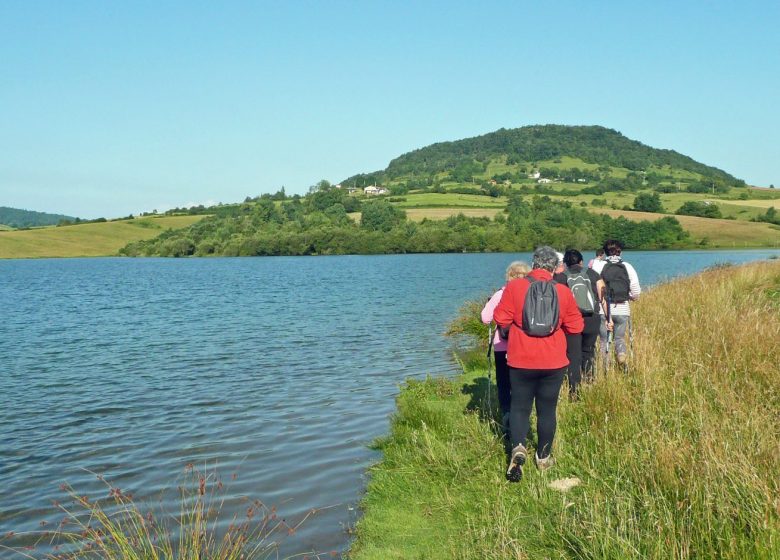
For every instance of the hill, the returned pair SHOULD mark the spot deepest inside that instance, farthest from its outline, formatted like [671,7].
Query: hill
[97,239]
[600,153]
[16,218]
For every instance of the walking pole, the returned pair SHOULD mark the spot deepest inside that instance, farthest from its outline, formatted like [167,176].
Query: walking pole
[490,366]
[610,334]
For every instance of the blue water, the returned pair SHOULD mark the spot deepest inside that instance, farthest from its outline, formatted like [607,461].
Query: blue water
[276,371]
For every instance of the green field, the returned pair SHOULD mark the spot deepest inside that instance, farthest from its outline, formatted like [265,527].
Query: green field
[450,200]
[715,232]
[86,240]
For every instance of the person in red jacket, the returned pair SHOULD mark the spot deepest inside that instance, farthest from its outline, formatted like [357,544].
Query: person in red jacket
[536,364]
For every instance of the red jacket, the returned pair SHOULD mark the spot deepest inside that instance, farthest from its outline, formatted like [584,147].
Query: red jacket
[529,352]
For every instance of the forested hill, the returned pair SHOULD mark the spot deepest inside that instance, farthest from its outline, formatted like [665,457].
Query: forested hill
[531,144]
[16,218]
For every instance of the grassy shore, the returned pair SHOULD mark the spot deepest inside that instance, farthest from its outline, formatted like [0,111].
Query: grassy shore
[677,459]
[100,239]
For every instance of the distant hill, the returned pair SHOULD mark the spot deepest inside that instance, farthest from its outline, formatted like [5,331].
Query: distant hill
[532,145]
[16,218]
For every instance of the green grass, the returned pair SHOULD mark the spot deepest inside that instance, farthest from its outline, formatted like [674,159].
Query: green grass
[677,459]
[450,200]
[86,240]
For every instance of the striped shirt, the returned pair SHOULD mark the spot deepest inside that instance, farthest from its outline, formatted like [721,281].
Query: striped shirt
[634,288]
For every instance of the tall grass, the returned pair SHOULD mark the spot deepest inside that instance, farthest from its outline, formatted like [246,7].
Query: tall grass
[115,526]
[678,458]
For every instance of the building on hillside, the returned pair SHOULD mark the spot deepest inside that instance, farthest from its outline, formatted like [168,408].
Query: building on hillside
[534,175]
[544,180]
[373,190]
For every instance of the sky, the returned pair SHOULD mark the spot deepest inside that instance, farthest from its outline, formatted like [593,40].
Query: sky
[116,108]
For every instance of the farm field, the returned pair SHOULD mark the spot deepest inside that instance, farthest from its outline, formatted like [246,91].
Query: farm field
[419,214]
[717,233]
[86,240]
[450,200]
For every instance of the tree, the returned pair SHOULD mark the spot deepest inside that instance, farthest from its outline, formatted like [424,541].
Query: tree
[700,209]
[646,202]
[379,215]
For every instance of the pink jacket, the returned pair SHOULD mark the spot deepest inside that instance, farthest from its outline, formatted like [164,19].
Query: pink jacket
[499,345]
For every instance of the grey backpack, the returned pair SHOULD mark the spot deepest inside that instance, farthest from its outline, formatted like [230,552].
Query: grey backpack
[540,308]
[580,286]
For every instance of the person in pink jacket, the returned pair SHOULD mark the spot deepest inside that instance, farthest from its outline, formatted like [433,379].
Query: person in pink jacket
[517,269]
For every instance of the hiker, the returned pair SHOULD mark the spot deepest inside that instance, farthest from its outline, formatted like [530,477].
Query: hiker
[516,269]
[599,257]
[560,268]
[536,354]
[622,286]
[586,285]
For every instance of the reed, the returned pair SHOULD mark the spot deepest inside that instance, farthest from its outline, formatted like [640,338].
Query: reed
[116,526]
[677,458]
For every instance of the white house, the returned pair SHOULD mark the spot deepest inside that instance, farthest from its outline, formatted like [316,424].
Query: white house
[544,180]
[534,175]
[373,190]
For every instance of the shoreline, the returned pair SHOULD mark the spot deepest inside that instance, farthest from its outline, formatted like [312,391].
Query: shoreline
[656,451]
[211,257]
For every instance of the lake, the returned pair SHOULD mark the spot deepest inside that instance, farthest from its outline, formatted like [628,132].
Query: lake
[278,372]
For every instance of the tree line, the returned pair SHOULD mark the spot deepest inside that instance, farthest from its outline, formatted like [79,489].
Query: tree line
[320,224]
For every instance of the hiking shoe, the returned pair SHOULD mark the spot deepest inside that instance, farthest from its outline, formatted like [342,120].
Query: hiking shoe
[515,470]
[621,358]
[544,464]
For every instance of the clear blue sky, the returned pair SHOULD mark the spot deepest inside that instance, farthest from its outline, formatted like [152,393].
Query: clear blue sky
[111,108]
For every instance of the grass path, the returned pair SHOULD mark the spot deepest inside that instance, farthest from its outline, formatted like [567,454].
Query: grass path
[86,240]
[678,459]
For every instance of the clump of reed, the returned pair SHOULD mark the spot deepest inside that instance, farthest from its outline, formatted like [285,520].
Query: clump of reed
[116,526]
[678,456]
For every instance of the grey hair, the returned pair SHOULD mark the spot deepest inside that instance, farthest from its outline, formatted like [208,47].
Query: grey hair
[546,258]
[517,269]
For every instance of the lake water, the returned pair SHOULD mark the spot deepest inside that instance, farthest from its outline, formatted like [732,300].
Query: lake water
[279,371]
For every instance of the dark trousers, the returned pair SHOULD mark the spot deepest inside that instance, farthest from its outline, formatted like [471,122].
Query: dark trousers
[542,387]
[589,354]
[502,382]
[580,350]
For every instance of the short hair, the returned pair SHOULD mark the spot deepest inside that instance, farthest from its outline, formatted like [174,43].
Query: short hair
[599,251]
[572,257]
[613,247]
[517,269]
[545,258]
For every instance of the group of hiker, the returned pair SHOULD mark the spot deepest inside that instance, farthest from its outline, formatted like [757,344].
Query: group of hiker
[548,317]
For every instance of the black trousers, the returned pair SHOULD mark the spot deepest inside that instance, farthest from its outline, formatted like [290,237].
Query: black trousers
[580,350]
[540,386]
[502,381]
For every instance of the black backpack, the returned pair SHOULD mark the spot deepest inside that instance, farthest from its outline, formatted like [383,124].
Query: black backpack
[540,308]
[580,286]
[615,277]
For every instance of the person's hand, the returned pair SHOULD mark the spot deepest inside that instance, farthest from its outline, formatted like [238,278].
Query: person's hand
[610,325]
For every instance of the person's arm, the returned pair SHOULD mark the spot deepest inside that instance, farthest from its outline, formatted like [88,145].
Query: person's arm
[504,313]
[634,289]
[571,318]
[490,306]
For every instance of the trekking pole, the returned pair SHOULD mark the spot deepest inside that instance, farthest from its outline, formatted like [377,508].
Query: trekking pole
[610,333]
[490,366]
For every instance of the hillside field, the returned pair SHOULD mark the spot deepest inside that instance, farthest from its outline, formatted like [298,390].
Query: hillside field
[86,240]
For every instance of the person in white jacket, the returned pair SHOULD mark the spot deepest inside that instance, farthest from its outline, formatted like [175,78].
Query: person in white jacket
[517,269]
[628,290]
